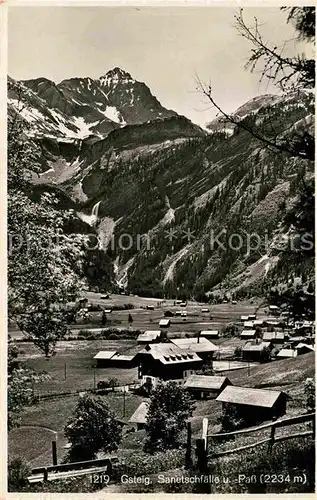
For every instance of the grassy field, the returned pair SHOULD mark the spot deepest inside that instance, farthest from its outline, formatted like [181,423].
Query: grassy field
[32,440]
[77,356]
[144,319]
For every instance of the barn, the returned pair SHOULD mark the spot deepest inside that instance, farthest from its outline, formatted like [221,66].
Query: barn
[253,351]
[247,334]
[164,323]
[149,336]
[103,358]
[286,353]
[106,359]
[275,337]
[206,386]
[253,405]
[211,334]
[139,416]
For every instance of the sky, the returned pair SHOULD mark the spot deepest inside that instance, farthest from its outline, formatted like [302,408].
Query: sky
[164,47]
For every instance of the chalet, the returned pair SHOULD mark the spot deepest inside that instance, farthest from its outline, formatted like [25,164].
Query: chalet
[183,304]
[139,416]
[286,353]
[253,405]
[275,337]
[149,336]
[150,307]
[234,302]
[166,362]
[178,302]
[205,310]
[178,313]
[204,387]
[253,351]
[247,334]
[164,323]
[108,311]
[200,345]
[252,317]
[211,334]
[248,325]
[244,318]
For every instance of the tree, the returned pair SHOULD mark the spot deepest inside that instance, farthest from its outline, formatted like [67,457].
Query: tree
[92,428]
[44,264]
[20,392]
[287,73]
[103,318]
[170,407]
[130,319]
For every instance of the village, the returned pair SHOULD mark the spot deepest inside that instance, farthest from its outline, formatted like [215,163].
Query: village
[122,347]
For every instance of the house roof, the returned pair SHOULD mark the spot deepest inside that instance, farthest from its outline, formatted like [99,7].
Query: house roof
[209,333]
[258,322]
[248,324]
[247,333]
[169,353]
[164,322]
[122,357]
[140,414]
[255,347]
[149,335]
[204,382]
[204,345]
[301,345]
[274,336]
[287,353]
[105,354]
[248,396]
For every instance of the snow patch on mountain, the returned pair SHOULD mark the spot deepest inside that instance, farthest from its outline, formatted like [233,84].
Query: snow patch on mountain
[113,114]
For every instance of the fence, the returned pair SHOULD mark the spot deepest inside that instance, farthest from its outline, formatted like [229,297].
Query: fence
[203,442]
[71,469]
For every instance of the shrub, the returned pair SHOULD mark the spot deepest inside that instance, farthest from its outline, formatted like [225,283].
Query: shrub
[18,472]
[230,330]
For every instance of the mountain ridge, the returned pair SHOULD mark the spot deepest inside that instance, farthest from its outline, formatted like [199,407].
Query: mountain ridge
[146,178]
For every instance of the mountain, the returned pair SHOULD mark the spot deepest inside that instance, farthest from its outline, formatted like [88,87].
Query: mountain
[252,107]
[80,107]
[163,196]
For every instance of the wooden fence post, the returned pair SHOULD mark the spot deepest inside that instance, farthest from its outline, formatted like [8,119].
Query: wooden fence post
[45,476]
[201,448]
[188,456]
[201,455]
[54,452]
[272,438]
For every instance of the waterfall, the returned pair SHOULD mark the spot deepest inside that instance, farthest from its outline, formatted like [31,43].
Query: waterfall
[92,218]
[95,208]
